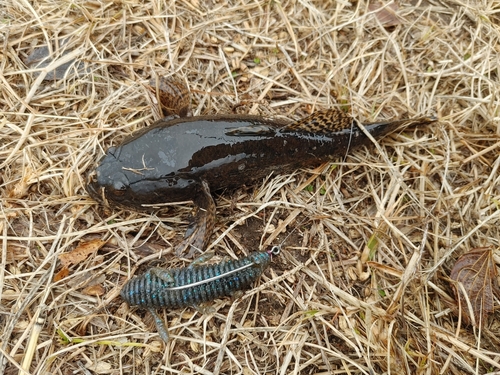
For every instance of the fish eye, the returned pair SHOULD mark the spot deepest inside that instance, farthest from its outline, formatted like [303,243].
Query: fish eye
[119,188]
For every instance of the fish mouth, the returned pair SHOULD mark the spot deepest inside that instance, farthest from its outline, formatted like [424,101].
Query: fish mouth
[93,188]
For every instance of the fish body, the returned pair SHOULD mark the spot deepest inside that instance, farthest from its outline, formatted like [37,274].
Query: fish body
[186,159]
[167,161]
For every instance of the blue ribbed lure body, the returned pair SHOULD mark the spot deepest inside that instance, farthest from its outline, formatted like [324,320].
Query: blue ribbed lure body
[189,286]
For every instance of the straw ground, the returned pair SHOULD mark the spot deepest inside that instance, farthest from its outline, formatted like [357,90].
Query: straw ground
[362,285]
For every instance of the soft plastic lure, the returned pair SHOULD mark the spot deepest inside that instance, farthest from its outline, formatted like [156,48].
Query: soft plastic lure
[195,284]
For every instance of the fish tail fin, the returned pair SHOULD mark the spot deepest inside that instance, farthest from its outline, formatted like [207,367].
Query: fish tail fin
[406,122]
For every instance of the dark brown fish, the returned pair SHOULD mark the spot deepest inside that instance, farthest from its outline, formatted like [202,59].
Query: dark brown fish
[187,158]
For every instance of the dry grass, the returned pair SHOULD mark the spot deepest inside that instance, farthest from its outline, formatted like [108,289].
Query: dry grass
[362,286]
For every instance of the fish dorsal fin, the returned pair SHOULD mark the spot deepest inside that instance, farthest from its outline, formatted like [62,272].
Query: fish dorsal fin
[322,122]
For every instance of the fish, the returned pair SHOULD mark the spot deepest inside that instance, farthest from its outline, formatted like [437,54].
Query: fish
[189,158]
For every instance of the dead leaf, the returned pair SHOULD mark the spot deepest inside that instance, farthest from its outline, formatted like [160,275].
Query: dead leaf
[385,269]
[100,367]
[477,274]
[64,272]
[386,14]
[16,252]
[94,290]
[173,94]
[81,252]
[20,189]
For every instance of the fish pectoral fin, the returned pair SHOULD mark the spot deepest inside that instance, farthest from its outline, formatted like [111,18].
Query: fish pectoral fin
[251,130]
[199,232]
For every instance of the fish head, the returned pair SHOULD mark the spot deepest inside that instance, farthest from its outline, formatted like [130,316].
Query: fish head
[108,183]
[122,180]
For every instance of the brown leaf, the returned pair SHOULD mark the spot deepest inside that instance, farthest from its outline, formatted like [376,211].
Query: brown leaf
[173,95]
[386,14]
[476,271]
[20,189]
[64,272]
[81,252]
[94,290]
